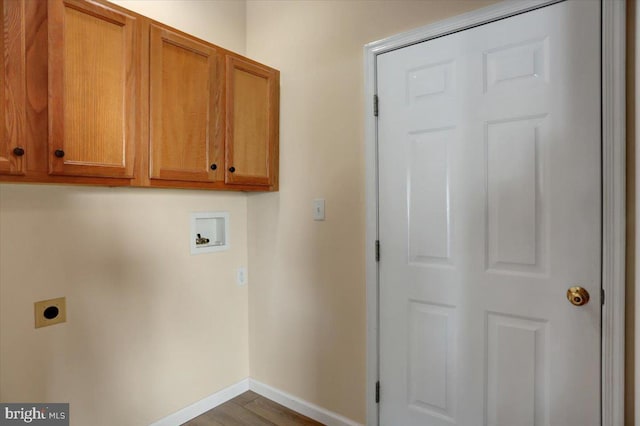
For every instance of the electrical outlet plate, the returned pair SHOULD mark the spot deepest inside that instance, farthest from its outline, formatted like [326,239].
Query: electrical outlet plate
[50,312]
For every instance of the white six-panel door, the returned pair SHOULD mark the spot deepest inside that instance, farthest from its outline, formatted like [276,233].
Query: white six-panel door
[489,210]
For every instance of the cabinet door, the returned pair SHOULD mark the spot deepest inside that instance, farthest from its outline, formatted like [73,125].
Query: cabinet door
[185,109]
[12,81]
[252,123]
[93,78]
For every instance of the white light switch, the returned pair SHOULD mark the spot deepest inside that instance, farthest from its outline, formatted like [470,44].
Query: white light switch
[318,209]
[241,276]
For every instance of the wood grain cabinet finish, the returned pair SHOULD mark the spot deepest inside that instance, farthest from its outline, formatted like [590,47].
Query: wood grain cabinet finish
[95,94]
[186,122]
[252,123]
[93,73]
[13,148]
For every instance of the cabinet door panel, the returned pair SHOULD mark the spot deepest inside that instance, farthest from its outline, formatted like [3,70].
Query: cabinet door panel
[12,80]
[93,70]
[252,123]
[186,128]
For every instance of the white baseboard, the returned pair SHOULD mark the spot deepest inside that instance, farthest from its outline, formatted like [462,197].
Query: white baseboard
[204,405]
[306,408]
[303,407]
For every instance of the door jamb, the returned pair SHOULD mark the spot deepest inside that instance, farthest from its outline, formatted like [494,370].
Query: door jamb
[613,38]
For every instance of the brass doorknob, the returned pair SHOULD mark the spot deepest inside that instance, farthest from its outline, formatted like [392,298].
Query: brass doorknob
[578,296]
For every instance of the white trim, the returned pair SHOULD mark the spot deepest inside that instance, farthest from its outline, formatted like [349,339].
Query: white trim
[454,24]
[613,244]
[301,406]
[204,405]
[306,408]
[371,266]
[613,209]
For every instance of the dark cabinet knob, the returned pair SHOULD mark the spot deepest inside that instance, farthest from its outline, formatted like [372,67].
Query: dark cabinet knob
[214,166]
[59,153]
[232,169]
[18,151]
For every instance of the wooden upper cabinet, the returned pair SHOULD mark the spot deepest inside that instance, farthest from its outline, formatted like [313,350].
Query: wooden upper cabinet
[13,152]
[252,123]
[97,94]
[93,89]
[186,126]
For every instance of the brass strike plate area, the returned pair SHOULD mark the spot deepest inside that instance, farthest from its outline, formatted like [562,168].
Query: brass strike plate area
[50,312]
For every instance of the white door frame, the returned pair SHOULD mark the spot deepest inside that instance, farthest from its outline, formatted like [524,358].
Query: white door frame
[613,188]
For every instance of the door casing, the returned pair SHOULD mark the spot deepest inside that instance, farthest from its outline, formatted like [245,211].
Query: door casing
[613,36]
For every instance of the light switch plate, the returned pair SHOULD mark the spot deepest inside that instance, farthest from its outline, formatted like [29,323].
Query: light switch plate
[241,276]
[50,312]
[318,209]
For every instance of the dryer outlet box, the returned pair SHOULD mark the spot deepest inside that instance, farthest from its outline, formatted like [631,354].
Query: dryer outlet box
[50,312]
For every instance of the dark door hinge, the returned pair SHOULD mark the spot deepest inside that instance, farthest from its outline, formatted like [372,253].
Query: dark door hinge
[377,250]
[375,105]
[377,392]
[602,296]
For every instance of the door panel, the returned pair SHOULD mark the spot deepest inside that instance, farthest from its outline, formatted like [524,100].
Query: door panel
[489,191]
[517,355]
[186,109]
[431,346]
[515,199]
[93,71]
[13,152]
[252,123]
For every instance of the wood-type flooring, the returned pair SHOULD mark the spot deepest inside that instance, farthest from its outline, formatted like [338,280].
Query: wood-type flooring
[250,409]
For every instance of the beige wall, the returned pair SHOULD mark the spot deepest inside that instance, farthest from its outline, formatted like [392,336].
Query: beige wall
[307,291]
[221,22]
[150,328]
